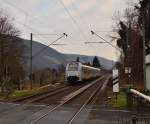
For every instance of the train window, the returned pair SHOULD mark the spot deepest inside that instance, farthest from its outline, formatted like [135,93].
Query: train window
[73,67]
[84,70]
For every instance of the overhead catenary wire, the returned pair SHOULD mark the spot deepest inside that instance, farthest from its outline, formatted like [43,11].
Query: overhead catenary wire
[105,31]
[36,33]
[33,18]
[46,34]
[87,25]
[36,19]
[73,19]
[84,22]
[38,53]
[93,42]
[93,33]
[32,30]
[39,34]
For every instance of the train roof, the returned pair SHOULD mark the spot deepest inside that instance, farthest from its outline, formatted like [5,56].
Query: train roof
[98,69]
[86,66]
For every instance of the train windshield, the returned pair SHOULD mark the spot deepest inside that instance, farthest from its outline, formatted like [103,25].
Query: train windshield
[73,67]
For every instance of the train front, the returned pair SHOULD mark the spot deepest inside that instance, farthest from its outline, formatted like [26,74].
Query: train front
[73,72]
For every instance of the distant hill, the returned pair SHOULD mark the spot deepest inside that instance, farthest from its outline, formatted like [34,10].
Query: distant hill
[52,58]
[105,63]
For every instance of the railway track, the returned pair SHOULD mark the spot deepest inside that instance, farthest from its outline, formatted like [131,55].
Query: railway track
[32,98]
[89,91]
[55,97]
[99,89]
[46,97]
[22,103]
[39,99]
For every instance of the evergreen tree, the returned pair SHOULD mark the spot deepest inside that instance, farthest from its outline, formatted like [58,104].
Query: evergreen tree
[96,62]
[131,38]
[144,20]
[78,59]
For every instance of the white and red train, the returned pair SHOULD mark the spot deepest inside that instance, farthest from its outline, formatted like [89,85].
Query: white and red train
[76,71]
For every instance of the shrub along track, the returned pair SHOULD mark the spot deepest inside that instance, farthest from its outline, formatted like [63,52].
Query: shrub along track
[30,98]
[58,92]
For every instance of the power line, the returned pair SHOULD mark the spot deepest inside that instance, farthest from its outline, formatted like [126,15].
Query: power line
[104,31]
[64,34]
[77,12]
[25,25]
[59,44]
[93,33]
[31,29]
[36,33]
[41,35]
[46,34]
[24,12]
[72,18]
[93,42]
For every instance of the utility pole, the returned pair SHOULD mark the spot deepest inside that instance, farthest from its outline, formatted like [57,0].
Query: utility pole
[2,57]
[127,53]
[31,75]
[113,64]
[144,68]
[44,48]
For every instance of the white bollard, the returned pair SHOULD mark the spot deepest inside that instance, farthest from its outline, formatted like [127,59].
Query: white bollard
[115,80]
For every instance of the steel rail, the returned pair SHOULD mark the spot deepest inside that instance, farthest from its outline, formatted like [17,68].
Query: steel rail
[37,95]
[100,87]
[53,92]
[49,94]
[76,93]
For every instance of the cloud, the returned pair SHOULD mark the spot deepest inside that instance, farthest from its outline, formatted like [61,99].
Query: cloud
[49,16]
[68,2]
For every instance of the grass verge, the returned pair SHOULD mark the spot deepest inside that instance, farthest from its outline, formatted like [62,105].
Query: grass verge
[23,93]
[120,101]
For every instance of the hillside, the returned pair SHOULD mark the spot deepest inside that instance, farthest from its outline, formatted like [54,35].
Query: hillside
[52,58]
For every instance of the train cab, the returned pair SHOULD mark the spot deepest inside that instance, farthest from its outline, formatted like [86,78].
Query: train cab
[73,71]
[76,71]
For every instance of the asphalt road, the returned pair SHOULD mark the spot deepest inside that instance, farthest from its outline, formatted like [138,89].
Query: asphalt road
[25,114]
[97,112]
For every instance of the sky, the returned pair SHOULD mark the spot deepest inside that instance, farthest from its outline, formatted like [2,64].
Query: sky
[49,19]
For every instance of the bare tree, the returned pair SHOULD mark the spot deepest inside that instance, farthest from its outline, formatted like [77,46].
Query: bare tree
[131,44]
[11,52]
